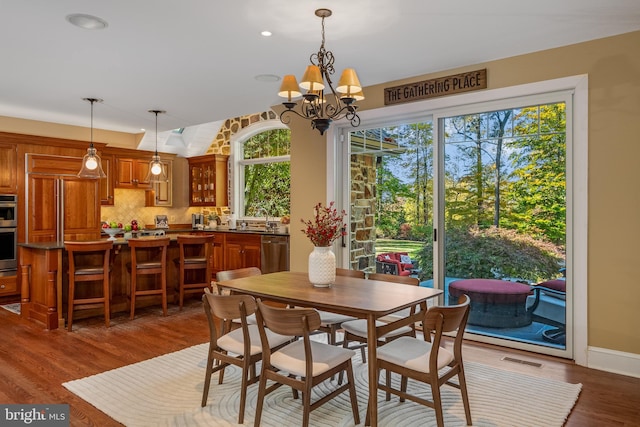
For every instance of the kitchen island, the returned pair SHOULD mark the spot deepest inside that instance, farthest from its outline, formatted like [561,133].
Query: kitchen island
[43,277]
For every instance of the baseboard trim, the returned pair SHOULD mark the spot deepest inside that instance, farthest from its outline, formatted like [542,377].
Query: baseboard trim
[617,362]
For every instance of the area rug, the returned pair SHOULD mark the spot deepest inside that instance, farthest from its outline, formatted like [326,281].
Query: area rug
[167,390]
[14,308]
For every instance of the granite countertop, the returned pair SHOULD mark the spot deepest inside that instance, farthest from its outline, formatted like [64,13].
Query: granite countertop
[172,233]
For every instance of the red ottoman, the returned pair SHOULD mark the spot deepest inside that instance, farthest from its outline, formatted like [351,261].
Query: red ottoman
[494,303]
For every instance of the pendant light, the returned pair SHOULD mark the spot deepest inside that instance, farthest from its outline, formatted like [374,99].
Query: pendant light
[156,168]
[91,162]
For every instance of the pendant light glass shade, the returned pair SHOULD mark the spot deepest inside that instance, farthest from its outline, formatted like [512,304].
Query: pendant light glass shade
[156,168]
[91,162]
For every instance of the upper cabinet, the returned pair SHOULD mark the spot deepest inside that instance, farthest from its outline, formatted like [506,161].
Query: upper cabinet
[208,178]
[161,193]
[8,168]
[106,184]
[132,173]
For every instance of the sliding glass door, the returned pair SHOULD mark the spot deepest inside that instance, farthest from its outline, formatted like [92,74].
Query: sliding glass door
[504,216]
[475,201]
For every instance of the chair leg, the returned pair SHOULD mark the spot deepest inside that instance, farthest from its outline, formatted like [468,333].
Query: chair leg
[437,401]
[403,386]
[132,298]
[243,391]
[207,379]
[262,388]
[352,393]
[306,404]
[107,300]
[71,298]
[465,396]
[164,291]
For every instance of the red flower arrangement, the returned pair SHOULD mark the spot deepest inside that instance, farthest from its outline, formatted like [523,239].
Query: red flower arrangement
[327,225]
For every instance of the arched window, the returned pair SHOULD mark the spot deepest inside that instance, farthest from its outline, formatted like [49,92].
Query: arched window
[263,184]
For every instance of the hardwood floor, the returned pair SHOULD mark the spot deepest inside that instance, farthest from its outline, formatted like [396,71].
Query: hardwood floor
[35,362]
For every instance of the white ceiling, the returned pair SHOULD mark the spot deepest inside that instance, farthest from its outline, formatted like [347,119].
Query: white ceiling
[198,59]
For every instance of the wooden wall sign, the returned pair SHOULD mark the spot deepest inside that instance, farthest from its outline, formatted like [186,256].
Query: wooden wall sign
[449,85]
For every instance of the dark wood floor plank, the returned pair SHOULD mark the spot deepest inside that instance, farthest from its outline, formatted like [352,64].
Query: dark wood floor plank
[35,362]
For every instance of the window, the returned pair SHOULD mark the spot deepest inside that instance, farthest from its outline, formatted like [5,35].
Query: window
[263,163]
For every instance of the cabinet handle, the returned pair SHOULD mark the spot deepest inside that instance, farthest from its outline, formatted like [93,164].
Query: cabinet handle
[2,286]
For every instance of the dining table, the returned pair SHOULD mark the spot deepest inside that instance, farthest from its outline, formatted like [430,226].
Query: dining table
[356,297]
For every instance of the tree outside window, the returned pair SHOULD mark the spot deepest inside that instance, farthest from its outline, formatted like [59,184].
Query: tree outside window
[266,174]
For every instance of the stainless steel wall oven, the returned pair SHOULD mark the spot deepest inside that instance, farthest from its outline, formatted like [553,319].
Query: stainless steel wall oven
[8,233]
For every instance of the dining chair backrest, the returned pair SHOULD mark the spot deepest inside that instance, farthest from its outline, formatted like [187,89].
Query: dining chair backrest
[350,273]
[448,318]
[226,307]
[237,273]
[404,280]
[289,321]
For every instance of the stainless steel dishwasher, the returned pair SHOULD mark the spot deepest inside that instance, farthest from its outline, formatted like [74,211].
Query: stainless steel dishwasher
[274,254]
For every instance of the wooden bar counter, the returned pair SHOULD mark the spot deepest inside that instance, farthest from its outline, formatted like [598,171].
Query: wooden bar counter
[44,281]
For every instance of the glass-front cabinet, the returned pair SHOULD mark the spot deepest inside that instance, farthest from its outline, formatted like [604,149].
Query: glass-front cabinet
[208,180]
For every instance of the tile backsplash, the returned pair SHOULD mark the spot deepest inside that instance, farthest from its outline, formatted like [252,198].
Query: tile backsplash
[129,205]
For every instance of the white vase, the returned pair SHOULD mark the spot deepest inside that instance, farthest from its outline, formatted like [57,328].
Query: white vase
[322,266]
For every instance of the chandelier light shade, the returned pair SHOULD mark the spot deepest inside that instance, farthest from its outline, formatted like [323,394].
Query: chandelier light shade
[156,168]
[91,162]
[315,81]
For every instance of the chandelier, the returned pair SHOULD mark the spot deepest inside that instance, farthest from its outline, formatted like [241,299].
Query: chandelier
[91,162]
[313,105]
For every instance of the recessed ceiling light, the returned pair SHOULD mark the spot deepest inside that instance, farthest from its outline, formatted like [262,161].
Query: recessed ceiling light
[266,33]
[88,22]
[267,78]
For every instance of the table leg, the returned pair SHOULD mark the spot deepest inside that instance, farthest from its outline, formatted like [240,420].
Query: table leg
[372,341]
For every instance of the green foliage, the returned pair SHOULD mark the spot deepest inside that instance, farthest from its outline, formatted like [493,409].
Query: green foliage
[267,183]
[494,253]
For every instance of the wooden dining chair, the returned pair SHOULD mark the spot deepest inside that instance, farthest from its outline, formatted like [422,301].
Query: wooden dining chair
[239,347]
[356,330]
[422,359]
[88,262]
[301,364]
[238,273]
[330,323]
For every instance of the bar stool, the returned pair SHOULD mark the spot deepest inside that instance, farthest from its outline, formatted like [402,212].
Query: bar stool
[88,262]
[148,257]
[194,263]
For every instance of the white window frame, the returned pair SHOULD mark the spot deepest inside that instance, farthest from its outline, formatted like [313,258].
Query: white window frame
[237,163]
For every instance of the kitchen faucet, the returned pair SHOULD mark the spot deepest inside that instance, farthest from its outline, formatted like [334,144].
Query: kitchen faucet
[264,212]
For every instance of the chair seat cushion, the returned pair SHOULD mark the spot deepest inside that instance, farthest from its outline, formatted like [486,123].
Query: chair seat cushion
[413,353]
[251,320]
[233,341]
[149,264]
[329,318]
[87,271]
[358,327]
[291,358]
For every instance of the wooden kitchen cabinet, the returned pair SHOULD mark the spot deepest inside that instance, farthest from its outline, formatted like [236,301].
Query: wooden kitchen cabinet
[8,168]
[132,173]
[242,250]
[8,286]
[161,193]
[208,180]
[107,184]
[60,206]
[217,253]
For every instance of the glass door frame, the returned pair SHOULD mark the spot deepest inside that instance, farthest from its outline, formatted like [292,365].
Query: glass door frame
[576,88]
